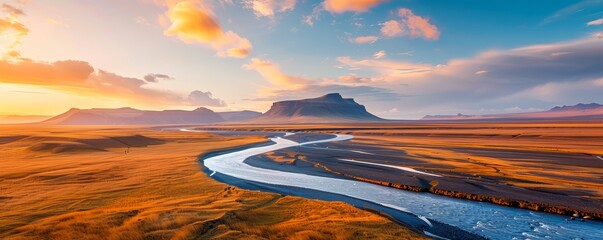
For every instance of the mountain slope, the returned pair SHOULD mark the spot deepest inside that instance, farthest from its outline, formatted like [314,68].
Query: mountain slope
[18,119]
[239,115]
[130,116]
[328,108]
[592,111]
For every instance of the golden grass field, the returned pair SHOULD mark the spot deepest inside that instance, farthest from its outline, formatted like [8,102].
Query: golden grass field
[135,183]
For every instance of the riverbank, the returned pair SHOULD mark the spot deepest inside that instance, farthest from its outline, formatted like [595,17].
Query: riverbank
[523,165]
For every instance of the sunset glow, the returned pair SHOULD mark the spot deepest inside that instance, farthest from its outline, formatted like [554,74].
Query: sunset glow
[403,59]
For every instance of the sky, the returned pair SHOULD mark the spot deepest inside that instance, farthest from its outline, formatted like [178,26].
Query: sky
[401,59]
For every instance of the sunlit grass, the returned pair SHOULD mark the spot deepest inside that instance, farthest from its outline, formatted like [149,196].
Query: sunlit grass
[88,184]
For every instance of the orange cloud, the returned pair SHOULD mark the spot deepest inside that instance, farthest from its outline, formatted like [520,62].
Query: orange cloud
[341,6]
[410,25]
[78,77]
[62,73]
[232,45]
[11,31]
[267,8]
[196,23]
[193,24]
[272,73]
[365,39]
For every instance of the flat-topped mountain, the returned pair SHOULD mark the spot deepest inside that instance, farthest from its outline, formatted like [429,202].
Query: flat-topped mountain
[328,108]
[581,111]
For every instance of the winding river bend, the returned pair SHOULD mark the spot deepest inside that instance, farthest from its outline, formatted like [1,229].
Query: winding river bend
[488,220]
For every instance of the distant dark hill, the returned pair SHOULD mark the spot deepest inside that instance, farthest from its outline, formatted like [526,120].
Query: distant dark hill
[239,115]
[328,108]
[130,116]
[581,111]
[578,107]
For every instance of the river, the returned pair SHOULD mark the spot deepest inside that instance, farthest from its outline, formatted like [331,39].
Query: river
[488,220]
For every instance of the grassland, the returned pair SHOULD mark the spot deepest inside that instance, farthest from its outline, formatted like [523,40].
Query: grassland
[540,160]
[136,183]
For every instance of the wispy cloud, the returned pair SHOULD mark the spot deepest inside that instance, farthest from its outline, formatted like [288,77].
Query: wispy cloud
[273,73]
[315,15]
[545,74]
[12,30]
[364,39]
[287,86]
[379,55]
[595,22]
[571,9]
[268,8]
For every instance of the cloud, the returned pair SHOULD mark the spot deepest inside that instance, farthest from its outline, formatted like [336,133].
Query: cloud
[61,73]
[410,25]
[56,22]
[386,68]
[12,30]
[364,39]
[481,72]
[286,86]
[341,6]
[193,24]
[272,73]
[12,9]
[531,76]
[365,94]
[571,9]
[205,99]
[379,55]
[80,78]
[196,23]
[352,80]
[153,78]
[316,10]
[267,8]
[595,22]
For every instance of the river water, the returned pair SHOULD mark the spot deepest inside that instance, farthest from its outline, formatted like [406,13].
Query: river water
[489,220]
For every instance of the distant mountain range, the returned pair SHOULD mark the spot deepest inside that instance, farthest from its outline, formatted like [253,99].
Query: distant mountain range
[592,111]
[131,116]
[328,108]
[12,119]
